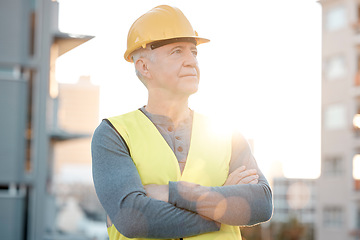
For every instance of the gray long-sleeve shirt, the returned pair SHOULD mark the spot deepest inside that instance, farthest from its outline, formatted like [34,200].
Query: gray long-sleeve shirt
[123,197]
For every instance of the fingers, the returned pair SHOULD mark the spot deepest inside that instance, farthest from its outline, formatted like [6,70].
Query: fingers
[147,187]
[150,189]
[255,181]
[108,221]
[233,177]
[250,179]
[246,173]
[238,170]
[242,176]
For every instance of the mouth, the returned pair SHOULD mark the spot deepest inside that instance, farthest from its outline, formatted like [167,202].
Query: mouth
[189,75]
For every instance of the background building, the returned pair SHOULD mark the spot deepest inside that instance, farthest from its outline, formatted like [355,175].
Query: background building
[294,207]
[338,193]
[294,198]
[78,209]
[78,112]
[30,43]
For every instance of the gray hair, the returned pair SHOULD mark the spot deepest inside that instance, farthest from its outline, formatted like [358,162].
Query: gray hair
[142,52]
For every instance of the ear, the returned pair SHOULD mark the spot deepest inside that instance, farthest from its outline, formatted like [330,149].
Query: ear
[142,66]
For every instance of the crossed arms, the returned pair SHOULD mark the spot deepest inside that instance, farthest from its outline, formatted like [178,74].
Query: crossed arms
[190,209]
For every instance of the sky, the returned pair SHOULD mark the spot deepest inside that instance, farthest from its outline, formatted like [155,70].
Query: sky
[261,71]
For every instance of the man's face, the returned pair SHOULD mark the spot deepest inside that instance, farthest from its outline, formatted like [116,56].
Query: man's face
[175,68]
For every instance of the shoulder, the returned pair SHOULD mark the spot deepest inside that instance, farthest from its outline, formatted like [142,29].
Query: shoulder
[127,119]
[108,129]
[240,142]
[107,138]
[125,116]
[104,130]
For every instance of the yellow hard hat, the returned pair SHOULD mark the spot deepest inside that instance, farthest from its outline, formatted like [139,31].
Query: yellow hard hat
[160,23]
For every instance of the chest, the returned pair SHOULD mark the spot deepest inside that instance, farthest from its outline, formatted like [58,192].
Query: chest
[206,163]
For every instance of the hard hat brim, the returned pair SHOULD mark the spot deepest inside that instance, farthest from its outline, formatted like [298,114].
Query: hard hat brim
[198,40]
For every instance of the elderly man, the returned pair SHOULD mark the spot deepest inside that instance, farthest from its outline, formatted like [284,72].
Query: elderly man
[163,171]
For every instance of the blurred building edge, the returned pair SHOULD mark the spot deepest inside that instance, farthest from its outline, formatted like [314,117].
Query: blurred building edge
[78,111]
[338,187]
[30,43]
[294,202]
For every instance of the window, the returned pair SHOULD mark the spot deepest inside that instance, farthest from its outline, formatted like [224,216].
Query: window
[356,172]
[335,68]
[334,117]
[333,216]
[356,25]
[332,166]
[356,167]
[358,218]
[335,18]
[357,75]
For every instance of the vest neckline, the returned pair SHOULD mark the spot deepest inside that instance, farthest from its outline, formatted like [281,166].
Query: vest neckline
[190,153]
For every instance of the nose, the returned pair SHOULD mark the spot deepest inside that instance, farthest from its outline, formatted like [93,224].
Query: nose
[190,59]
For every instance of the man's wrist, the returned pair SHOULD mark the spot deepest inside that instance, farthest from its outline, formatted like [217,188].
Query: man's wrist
[181,195]
[165,193]
[159,192]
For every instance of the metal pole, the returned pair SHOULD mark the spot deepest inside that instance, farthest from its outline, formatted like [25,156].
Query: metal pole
[40,139]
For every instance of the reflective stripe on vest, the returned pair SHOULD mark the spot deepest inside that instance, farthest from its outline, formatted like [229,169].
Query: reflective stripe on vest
[207,163]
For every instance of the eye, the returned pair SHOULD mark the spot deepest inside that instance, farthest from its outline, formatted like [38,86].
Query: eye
[176,51]
[194,52]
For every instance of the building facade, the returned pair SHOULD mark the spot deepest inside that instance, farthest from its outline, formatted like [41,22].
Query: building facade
[338,192]
[294,207]
[294,198]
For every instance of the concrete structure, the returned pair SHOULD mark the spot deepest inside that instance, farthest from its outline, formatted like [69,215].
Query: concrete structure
[338,192]
[30,42]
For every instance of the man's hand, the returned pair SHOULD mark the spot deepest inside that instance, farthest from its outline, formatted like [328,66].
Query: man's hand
[239,176]
[159,192]
[242,176]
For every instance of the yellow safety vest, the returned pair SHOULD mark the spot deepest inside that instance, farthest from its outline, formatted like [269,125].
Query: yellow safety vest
[207,163]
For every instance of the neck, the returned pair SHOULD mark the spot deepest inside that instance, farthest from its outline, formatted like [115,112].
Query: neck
[176,109]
